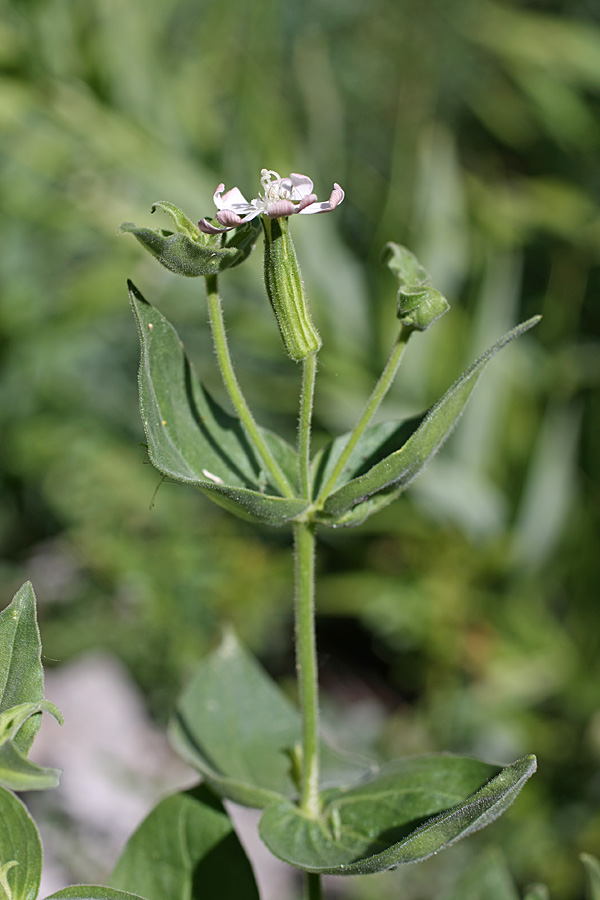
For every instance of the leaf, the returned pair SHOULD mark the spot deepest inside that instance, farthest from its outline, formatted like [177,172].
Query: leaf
[592,871]
[192,439]
[388,478]
[188,251]
[235,726]
[419,304]
[21,672]
[487,878]
[186,849]
[17,773]
[375,444]
[20,850]
[91,892]
[386,821]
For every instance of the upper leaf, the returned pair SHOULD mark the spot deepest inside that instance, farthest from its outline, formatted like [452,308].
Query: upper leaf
[186,849]
[419,304]
[188,251]
[235,726]
[20,850]
[384,481]
[21,672]
[92,892]
[192,439]
[386,821]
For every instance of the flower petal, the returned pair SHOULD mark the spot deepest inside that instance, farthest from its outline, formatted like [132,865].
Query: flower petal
[335,198]
[205,226]
[231,199]
[281,208]
[298,185]
[306,201]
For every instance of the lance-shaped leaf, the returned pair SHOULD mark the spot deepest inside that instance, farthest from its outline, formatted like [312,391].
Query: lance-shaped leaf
[419,304]
[16,771]
[407,812]
[370,491]
[375,443]
[92,892]
[187,251]
[236,727]
[592,871]
[20,851]
[186,849]
[192,439]
[21,672]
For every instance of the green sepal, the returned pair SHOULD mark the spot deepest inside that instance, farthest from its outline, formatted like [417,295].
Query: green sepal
[235,726]
[592,871]
[192,439]
[186,847]
[406,813]
[187,250]
[366,493]
[17,773]
[20,850]
[419,304]
[285,290]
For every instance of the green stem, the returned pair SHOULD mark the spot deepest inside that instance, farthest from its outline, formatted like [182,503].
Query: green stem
[379,392]
[306,664]
[313,886]
[309,372]
[231,383]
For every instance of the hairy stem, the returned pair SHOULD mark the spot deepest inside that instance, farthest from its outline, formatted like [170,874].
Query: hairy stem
[309,372]
[379,391]
[313,886]
[233,389]
[306,664]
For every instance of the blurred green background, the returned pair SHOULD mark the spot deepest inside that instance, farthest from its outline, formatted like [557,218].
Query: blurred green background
[464,617]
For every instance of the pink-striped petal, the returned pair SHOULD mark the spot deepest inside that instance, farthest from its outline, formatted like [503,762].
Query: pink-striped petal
[281,208]
[335,198]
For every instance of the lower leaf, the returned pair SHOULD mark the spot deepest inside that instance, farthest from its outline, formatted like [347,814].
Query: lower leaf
[409,811]
[20,850]
[186,847]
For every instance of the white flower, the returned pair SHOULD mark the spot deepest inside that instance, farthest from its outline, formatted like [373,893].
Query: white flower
[280,197]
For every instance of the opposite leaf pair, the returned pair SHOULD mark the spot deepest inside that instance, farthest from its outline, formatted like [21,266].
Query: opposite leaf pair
[236,727]
[192,439]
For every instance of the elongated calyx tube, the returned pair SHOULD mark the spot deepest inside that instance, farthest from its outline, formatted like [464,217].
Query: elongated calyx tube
[285,290]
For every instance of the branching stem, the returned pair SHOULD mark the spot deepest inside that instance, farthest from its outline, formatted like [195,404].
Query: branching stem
[233,389]
[379,392]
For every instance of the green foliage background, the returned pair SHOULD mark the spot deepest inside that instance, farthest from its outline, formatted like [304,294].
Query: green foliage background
[465,617]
